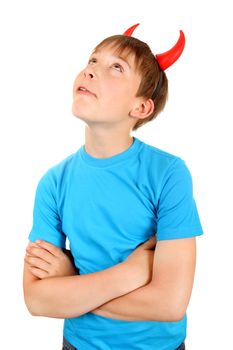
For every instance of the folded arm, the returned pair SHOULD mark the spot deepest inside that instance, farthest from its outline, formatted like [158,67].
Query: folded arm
[72,296]
[167,296]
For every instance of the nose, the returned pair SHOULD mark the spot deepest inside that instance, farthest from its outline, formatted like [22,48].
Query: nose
[89,73]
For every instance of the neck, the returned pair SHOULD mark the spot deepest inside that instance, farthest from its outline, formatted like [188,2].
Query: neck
[102,144]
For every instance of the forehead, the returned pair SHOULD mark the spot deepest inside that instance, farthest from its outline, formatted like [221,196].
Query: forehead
[123,53]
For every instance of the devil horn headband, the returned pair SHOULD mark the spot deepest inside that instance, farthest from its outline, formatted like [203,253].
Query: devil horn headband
[167,58]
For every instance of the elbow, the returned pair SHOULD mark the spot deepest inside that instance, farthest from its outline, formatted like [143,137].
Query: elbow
[172,315]
[32,311]
[31,306]
[38,307]
[176,315]
[172,311]
[176,311]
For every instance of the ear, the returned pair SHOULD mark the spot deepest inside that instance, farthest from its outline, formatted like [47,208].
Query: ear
[142,108]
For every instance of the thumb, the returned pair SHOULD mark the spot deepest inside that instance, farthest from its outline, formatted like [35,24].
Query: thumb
[149,244]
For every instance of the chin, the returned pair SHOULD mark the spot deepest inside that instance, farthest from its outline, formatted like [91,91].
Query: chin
[76,115]
[77,111]
[81,116]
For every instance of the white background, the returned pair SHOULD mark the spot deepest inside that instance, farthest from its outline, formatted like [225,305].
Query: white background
[44,44]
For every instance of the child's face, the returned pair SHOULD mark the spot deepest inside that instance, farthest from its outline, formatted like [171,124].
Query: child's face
[113,83]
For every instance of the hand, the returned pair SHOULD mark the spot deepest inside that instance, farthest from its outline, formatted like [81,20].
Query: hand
[47,260]
[142,259]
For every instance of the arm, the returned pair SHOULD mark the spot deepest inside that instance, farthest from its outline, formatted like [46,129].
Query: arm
[167,296]
[72,296]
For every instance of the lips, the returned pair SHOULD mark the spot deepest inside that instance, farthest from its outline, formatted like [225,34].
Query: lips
[83,90]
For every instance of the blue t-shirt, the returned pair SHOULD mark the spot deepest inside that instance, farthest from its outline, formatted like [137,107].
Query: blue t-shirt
[106,207]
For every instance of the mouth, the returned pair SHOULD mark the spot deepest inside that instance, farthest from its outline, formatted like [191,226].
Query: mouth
[85,91]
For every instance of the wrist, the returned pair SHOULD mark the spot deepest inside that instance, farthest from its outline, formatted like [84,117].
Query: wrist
[132,276]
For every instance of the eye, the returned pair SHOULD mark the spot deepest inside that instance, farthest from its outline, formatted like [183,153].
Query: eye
[118,67]
[91,60]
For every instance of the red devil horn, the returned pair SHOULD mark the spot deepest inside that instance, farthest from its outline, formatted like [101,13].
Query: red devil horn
[167,58]
[129,31]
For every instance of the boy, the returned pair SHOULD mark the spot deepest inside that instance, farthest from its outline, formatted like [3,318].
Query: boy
[111,195]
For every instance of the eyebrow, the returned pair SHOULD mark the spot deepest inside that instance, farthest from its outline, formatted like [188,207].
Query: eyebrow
[119,57]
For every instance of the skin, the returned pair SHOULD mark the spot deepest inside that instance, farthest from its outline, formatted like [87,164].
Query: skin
[72,295]
[108,122]
[169,289]
[109,115]
[46,260]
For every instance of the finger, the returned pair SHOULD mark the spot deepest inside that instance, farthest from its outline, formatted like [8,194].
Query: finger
[31,244]
[41,253]
[38,272]
[29,247]
[49,247]
[38,263]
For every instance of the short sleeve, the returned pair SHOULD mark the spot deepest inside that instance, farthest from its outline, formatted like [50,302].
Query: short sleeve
[177,214]
[46,221]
